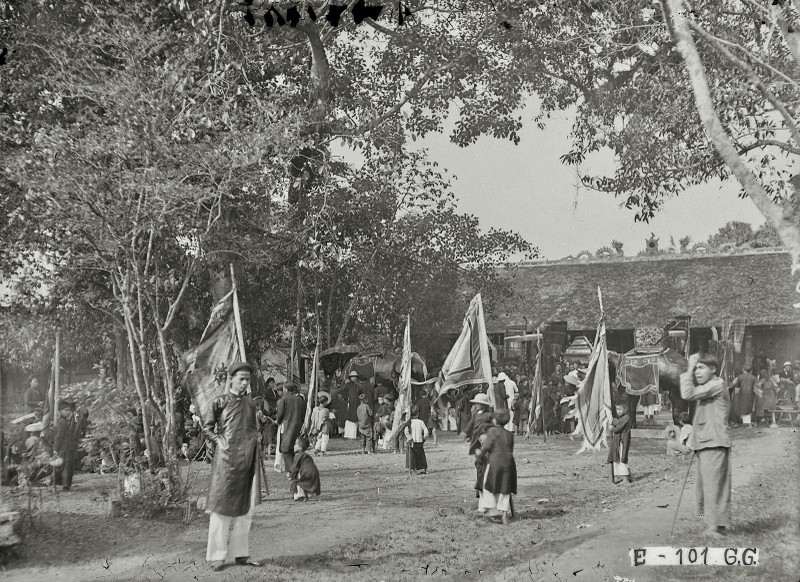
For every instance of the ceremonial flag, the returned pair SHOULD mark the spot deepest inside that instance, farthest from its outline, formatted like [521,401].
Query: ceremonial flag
[312,387]
[403,381]
[468,363]
[207,364]
[535,409]
[593,400]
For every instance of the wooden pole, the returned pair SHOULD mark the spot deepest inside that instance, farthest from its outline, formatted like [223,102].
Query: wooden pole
[680,497]
[236,317]
[56,379]
[539,384]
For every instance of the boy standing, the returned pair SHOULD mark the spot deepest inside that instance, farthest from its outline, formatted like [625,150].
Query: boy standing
[365,428]
[416,433]
[710,440]
[320,423]
[620,443]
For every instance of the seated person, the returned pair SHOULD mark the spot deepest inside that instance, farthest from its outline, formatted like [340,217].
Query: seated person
[678,441]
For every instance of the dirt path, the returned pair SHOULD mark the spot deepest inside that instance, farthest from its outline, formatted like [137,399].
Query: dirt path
[375,522]
[604,556]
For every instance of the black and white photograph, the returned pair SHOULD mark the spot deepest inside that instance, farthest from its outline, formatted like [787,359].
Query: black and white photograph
[398,290]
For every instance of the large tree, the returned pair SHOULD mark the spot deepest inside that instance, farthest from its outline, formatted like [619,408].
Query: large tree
[126,155]
[681,93]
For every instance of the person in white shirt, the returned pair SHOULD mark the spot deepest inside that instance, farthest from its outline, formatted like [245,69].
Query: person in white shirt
[511,396]
[416,433]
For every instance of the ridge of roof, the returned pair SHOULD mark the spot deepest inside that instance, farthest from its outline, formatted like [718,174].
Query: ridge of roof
[585,257]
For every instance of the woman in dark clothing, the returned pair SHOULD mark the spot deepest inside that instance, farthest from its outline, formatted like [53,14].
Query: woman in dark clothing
[500,478]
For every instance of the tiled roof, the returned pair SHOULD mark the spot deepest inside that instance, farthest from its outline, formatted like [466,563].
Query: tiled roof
[756,286]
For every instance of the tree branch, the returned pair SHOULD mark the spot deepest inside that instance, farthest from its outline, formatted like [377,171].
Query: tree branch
[751,76]
[173,309]
[785,224]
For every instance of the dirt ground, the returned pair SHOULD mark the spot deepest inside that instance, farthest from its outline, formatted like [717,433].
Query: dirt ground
[373,521]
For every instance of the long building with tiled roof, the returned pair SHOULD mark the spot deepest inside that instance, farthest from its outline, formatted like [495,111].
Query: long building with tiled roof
[711,287]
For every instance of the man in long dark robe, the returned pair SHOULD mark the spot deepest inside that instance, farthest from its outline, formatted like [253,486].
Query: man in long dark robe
[230,422]
[351,389]
[744,385]
[291,413]
[65,444]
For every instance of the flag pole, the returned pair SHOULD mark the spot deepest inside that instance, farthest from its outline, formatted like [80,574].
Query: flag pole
[236,316]
[56,379]
[312,385]
[539,383]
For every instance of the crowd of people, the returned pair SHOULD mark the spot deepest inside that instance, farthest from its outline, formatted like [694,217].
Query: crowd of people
[755,398]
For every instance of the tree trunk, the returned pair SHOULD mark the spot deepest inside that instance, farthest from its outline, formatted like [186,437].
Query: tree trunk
[356,294]
[170,432]
[298,330]
[121,354]
[220,281]
[783,219]
[328,313]
[139,384]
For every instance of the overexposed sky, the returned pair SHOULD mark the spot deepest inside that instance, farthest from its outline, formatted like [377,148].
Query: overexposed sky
[527,189]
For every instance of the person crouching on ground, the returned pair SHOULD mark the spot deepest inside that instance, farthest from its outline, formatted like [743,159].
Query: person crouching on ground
[620,444]
[365,428]
[305,476]
[710,441]
[416,433]
[500,476]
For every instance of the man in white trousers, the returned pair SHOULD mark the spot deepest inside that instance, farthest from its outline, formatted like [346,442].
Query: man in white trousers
[235,487]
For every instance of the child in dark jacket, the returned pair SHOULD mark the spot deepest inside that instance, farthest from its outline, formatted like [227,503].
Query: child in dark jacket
[304,473]
[500,476]
[620,444]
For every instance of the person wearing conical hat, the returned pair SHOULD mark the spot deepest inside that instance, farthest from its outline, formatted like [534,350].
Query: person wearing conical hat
[235,488]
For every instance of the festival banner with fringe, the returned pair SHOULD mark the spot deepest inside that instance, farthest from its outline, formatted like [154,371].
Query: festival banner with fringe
[593,400]
[535,409]
[403,382]
[468,363]
[312,387]
[207,364]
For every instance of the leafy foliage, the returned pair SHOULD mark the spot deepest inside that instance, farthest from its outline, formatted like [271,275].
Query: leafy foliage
[742,233]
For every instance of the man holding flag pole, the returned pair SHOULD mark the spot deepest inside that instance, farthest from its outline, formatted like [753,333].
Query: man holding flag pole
[229,420]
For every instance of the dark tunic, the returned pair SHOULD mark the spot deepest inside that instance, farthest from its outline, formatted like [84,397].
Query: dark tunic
[478,425]
[747,382]
[501,476]
[305,474]
[351,390]
[236,470]
[65,444]
[291,412]
[500,396]
[621,440]
[340,407]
